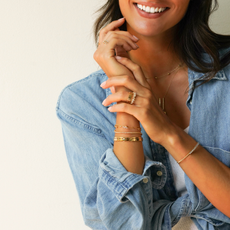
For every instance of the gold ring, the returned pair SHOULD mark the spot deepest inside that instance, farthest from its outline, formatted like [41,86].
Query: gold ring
[133,98]
[105,42]
[130,97]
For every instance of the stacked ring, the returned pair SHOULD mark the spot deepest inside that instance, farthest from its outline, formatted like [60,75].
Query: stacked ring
[131,97]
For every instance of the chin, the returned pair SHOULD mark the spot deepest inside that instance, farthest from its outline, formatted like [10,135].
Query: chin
[146,30]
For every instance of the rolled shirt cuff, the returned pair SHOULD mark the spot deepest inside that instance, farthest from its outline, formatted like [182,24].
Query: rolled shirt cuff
[120,181]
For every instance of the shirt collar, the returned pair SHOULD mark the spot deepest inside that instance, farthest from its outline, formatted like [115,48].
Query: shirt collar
[194,76]
[220,75]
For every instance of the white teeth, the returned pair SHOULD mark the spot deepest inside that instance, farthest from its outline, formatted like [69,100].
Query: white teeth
[151,9]
[139,6]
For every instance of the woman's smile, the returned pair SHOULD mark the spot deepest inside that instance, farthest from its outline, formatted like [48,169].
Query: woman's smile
[151,18]
[148,11]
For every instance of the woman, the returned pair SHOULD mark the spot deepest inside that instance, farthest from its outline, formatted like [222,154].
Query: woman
[164,73]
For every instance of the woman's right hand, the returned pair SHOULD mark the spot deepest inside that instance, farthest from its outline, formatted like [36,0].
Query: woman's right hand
[119,42]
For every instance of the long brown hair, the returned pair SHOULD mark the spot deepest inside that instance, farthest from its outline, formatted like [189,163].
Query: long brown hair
[193,38]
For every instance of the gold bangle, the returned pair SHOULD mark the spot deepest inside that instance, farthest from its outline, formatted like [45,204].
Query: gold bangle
[132,139]
[192,151]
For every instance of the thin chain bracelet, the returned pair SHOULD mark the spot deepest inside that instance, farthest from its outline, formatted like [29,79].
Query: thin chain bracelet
[126,127]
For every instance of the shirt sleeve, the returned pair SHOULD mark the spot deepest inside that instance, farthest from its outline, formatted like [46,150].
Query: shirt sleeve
[110,196]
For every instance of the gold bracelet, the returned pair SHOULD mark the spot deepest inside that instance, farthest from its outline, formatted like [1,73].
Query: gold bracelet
[128,132]
[189,153]
[132,139]
[126,127]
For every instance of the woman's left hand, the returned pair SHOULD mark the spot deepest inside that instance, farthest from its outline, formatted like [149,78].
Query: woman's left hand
[145,107]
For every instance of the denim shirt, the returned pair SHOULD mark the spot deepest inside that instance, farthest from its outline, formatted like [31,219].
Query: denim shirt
[112,198]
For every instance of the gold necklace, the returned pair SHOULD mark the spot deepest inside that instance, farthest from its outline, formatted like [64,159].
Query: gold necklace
[161,100]
[169,73]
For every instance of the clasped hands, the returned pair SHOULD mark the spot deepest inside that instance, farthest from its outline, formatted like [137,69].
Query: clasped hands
[124,75]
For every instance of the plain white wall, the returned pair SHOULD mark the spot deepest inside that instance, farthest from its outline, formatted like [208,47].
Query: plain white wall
[44,46]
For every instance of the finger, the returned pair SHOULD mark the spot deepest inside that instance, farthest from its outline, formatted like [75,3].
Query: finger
[114,25]
[136,70]
[127,37]
[127,34]
[122,96]
[112,36]
[112,89]
[126,81]
[119,50]
[126,108]
[108,49]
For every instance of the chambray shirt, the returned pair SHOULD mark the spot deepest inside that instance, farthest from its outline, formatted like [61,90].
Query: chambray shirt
[112,198]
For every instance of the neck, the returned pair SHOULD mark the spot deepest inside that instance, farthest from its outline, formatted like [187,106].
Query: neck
[155,54]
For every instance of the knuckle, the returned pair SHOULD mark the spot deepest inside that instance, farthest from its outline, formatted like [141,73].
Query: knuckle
[123,106]
[109,33]
[148,94]
[127,47]
[123,94]
[95,55]
[147,102]
[126,79]
[136,68]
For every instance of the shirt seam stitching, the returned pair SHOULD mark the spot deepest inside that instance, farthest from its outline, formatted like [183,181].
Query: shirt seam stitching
[85,125]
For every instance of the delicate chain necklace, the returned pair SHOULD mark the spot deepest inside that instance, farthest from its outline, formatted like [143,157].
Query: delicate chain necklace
[161,101]
[169,73]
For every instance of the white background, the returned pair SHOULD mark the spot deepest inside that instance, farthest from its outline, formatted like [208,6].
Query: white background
[44,46]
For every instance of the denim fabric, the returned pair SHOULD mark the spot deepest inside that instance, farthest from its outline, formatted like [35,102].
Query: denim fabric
[115,199]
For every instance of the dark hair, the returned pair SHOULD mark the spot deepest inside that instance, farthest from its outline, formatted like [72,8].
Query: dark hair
[193,38]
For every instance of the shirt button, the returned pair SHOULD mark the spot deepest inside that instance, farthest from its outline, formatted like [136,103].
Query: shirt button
[145,180]
[159,173]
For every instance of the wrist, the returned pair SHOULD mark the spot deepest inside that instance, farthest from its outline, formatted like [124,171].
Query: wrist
[178,143]
[127,119]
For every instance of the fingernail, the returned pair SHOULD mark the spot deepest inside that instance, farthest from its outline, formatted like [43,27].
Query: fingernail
[135,37]
[110,108]
[118,57]
[136,45]
[120,19]
[103,102]
[103,84]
